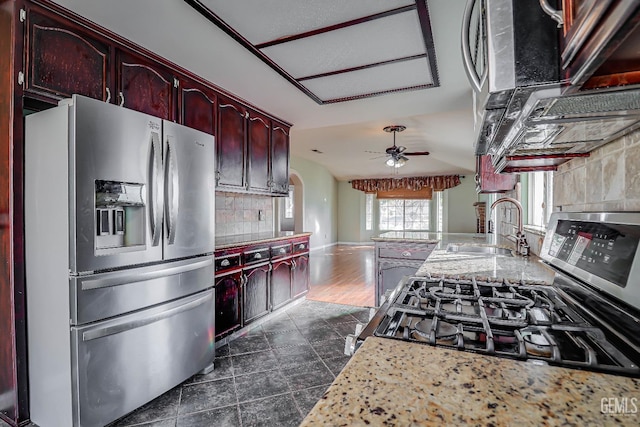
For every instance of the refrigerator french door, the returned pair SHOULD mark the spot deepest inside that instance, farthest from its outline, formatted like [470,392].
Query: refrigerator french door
[119,236]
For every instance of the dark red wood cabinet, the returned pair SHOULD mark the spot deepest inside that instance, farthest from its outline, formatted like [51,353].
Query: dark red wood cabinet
[280,159]
[198,106]
[63,58]
[259,155]
[145,86]
[255,292]
[281,283]
[599,43]
[487,181]
[228,317]
[231,145]
[300,276]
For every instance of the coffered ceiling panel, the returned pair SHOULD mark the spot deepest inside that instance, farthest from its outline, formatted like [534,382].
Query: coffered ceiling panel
[335,50]
[260,21]
[397,36]
[368,81]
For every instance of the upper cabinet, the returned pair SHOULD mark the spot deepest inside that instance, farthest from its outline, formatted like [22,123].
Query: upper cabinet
[63,58]
[600,43]
[280,156]
[231,145]
[145,86]
[197,106]
[259,156]
[488,181]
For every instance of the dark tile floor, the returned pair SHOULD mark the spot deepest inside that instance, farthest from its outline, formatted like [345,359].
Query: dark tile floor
[272,376]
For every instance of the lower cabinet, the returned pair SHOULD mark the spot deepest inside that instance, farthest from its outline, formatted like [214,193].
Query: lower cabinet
[281,283]
[256,291]
[397,259]
[252,280]
[300,276]
[228,303]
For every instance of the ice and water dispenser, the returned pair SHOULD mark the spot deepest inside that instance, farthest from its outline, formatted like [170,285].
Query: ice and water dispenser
[120,216]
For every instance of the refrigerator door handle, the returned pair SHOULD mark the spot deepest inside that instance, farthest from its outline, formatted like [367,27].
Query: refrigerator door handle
[127,278]
[144,319]
[155,184]
[172,190]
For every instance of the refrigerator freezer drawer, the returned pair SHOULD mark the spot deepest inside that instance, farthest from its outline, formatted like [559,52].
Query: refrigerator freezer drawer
[120,364]
[100,296]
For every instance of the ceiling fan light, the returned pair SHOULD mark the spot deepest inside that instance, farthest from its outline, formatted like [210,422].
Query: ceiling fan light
[399,162]
[391,162]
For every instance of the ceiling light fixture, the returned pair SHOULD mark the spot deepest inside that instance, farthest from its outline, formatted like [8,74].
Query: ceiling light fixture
[396,158]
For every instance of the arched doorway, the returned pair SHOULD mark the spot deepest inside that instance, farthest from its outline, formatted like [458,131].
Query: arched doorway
[290,215]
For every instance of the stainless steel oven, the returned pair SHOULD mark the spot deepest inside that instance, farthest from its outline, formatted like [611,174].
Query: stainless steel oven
[586,319]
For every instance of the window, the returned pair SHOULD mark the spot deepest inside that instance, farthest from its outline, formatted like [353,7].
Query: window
[288,204]
[368,211]
[404,214]
[540,199]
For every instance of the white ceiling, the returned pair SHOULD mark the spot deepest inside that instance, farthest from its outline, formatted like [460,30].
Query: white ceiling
[438,120]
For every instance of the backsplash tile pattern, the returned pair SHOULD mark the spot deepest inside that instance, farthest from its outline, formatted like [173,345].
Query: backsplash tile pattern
[607,180]
[239,214]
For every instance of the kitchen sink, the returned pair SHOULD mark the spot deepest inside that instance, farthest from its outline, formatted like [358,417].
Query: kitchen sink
[478,249]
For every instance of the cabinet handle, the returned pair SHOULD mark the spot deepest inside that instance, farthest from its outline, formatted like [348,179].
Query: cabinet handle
[293,264]
[554,14]
[108,95]
[225,263]
[301,246]
[282,251]
[406,254]
[121,99]
[258,256]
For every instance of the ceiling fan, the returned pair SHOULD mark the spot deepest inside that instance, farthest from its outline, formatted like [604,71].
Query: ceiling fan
[397,153]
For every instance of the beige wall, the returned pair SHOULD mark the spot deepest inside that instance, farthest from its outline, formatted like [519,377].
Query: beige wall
[351,215]
[607,180]
[320,202]
[459,210]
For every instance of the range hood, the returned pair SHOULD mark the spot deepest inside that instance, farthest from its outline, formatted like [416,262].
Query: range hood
[555,126]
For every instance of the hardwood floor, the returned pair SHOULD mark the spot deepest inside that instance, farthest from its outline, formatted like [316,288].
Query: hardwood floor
[343,274]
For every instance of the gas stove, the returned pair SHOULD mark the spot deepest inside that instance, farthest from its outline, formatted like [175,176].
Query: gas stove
[574,323]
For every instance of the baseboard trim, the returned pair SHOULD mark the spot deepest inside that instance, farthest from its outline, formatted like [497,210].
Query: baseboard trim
[366,243]
[318,248]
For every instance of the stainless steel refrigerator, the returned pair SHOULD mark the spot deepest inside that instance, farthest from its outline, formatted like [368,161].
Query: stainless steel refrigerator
[119,235]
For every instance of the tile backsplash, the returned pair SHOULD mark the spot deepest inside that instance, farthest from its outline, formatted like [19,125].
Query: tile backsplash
[241,214]
[607,180]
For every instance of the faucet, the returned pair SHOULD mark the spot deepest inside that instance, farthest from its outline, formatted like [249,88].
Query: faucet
[522,247]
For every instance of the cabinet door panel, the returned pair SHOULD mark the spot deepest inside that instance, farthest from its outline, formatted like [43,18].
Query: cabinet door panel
[63,60]
[228,315]
[256,292]
[198,107]
[145,86]
[281,283]
[280,159]
[231,144]
[259,156]
[487,181]
[300,276]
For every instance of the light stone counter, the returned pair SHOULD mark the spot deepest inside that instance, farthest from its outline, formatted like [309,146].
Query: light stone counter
[394,383]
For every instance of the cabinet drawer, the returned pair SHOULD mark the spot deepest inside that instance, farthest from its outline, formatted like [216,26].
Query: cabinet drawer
[301,246]
[419,253]
[227,262]
[255,256]
[281,251]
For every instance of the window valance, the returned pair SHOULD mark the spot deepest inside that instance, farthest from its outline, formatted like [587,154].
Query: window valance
[438,183]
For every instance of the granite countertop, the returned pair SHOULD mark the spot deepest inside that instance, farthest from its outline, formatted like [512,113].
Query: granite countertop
[394,383]
[225,242]
[443,239]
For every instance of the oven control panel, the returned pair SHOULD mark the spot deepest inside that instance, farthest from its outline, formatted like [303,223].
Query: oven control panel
[602,249]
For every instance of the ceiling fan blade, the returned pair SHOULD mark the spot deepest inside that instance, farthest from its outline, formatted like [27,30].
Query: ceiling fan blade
[373,152]
[378,157]
[416,153]
[400,149]
[403,157]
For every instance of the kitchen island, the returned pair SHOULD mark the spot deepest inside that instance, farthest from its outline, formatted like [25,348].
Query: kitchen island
[389,382]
